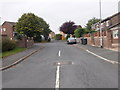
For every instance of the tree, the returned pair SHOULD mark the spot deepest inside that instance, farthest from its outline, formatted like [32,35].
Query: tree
[68,27]
[46,30]
[32,26]
[90,23]
[29,24]
[79,32]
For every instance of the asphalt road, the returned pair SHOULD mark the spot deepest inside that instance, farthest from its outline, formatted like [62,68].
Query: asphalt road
[78,69]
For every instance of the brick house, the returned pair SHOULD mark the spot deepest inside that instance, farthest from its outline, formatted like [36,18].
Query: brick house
[63,35]
[51,35]
[8,29]
[109,27]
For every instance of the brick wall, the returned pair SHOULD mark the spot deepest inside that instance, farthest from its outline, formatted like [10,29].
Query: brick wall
[94,39]
[25,43]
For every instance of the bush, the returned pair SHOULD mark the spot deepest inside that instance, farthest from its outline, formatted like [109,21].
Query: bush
[79,32]
[68,35]
[37,38]
[58,37]
[8,44]
[49,40]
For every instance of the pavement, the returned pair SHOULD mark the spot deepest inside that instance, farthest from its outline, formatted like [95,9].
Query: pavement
[13,58]
[106,53]
[63,66]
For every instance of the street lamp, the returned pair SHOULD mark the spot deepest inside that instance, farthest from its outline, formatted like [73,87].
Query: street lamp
[101,38]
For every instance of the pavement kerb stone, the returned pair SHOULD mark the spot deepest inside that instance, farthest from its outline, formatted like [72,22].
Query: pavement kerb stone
[19,60]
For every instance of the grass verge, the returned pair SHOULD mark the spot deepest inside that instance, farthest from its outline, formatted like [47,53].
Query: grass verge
[14,51]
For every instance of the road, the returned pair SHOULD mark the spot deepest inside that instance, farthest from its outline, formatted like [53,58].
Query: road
[63,66]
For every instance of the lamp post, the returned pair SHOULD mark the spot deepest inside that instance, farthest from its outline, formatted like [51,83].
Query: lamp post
[101,38]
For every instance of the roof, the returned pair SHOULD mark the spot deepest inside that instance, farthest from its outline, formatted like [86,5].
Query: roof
[114,25]
[110,17]
[12,23]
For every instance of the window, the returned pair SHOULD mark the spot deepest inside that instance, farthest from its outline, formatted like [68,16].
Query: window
[107,23]
[97,28]
[115,34]
[4,29]
[102,25]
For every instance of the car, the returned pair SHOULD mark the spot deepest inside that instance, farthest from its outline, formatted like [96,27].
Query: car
[71,40]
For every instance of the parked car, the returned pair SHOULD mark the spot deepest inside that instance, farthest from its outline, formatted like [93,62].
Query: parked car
[71,40]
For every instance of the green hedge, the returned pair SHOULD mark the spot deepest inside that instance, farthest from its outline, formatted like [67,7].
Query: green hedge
[8,44]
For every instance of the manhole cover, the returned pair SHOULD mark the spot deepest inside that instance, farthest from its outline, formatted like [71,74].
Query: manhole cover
[63,63]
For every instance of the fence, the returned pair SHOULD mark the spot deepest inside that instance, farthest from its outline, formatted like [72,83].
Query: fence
[25,42]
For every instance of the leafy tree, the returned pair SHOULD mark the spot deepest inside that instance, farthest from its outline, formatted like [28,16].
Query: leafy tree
[79,32]
[46,31]
[29,24]
[32,26]
[90,23]
[68,27]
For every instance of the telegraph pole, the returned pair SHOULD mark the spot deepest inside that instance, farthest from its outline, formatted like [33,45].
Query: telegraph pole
[101,38]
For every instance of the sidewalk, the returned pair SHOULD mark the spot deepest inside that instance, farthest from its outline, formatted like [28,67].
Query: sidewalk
[106,53]
[11,59]
[114,47]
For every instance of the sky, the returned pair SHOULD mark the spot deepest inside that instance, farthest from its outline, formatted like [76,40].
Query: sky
[56,12]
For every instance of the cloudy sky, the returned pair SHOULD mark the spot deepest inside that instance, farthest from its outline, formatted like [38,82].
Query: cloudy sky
[56,12]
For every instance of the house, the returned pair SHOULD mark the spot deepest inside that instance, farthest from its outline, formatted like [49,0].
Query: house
[110,27]
[51,35]
[63,35]
[8,29]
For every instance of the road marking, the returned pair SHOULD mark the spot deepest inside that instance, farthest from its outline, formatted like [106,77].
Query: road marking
[110,61]
[57,83]
[59,53]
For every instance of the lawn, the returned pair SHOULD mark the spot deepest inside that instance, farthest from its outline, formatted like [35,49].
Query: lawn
[14,51]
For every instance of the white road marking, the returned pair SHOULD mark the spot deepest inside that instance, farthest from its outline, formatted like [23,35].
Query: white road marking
[57,83]
[110,61]
[59,53]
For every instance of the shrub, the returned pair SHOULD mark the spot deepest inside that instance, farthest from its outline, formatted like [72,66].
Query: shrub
[37,38]
[49,40]
[68,35]
[8,44]
[58,37]
[79,32]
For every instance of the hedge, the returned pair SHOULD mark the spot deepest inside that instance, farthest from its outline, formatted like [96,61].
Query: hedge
[8,44]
